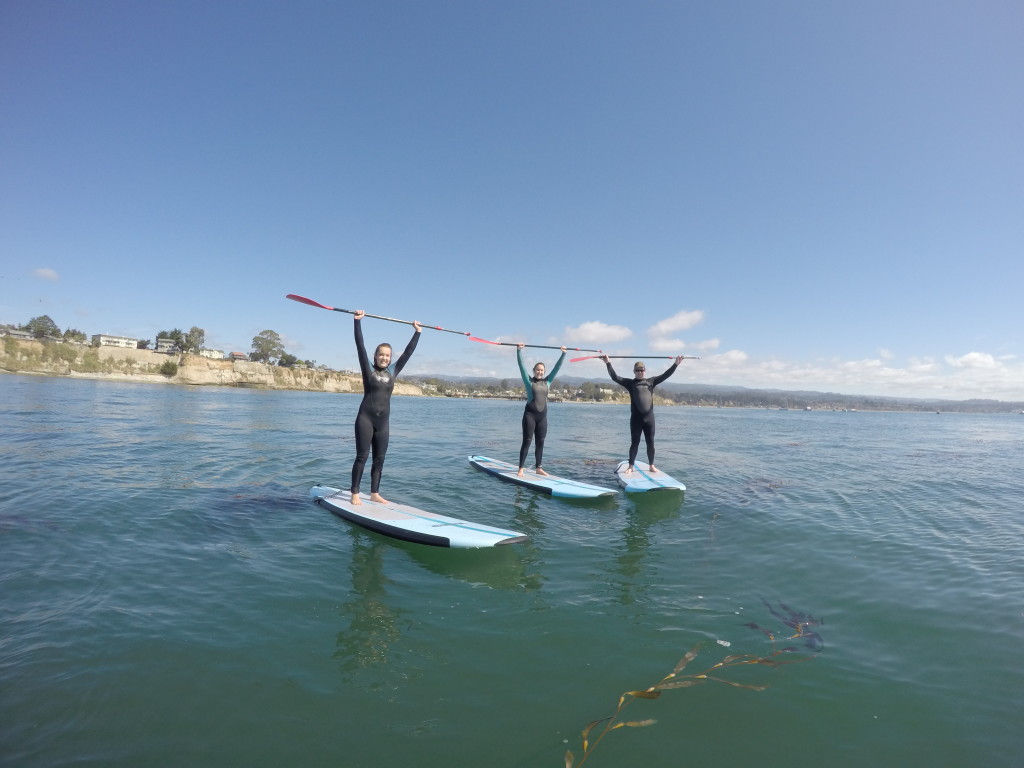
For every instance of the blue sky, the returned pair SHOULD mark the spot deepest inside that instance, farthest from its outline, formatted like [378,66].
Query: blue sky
[807,195]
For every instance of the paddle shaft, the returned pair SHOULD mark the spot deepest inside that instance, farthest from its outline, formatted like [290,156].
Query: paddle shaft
[304,300]
[633,357]
[534,346]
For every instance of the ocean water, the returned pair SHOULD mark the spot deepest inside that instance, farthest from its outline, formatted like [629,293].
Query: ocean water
[169,596]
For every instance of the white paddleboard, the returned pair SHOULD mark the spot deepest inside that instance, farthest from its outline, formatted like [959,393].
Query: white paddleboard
[642,479]
[551,484]
[401,521]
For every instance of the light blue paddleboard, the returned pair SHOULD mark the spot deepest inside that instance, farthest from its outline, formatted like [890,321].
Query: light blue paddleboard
[551,484]
[642,479]
[407,523]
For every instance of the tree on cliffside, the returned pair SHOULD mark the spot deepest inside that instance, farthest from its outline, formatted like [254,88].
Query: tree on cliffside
[287,360]
[176,335]
[266,347]
[194,340]
[42,326]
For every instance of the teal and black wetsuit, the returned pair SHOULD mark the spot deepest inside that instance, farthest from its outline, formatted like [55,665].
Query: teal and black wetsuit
[641,409]
[373,427]
[535,415]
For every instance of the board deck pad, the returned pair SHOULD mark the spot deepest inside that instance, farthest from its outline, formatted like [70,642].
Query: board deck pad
[551,484]
[408,523]
[642,479]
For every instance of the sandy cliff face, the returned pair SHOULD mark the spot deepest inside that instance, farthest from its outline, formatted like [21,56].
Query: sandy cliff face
[144,365]
[202,371]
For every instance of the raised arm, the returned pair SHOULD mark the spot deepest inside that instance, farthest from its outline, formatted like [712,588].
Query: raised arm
[364,360]
[554,371]
[409,348]
[656,380]
[611,372]
[522,368]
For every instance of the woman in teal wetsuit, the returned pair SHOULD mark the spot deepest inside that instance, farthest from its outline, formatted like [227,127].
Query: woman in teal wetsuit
[535,415]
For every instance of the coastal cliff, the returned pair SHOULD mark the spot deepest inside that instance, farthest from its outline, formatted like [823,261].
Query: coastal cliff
[143,365]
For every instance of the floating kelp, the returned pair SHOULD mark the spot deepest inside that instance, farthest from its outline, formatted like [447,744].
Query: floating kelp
[675,678]
[796,620]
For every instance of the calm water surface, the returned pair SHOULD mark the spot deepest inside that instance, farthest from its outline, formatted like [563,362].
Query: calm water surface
[170,597]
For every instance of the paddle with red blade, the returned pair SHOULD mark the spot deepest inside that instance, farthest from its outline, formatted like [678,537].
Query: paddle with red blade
[630,357]
[304,300]
[535,346]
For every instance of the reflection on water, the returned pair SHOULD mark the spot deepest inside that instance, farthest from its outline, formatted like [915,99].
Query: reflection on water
[372,622]
[648,512]
[496,568]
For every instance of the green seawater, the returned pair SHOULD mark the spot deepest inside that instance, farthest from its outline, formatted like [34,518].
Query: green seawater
[169,596]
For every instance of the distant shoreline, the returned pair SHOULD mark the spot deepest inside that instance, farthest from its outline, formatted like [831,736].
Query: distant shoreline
[410,390]
[143,367]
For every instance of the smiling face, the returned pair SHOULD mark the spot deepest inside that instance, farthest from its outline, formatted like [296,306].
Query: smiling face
[639,371]
[382,357]
[538,371]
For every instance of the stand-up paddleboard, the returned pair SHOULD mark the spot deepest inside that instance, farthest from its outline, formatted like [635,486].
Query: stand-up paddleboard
[401,521]
[641,479]
[551,484]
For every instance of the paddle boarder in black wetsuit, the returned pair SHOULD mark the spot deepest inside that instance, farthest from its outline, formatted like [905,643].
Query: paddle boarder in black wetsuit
[641,405]
[535,415]
[373,420]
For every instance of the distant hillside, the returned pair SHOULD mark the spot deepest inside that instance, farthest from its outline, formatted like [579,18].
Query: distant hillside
[710,395]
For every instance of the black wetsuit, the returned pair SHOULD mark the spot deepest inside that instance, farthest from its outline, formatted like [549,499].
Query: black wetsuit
[641,409]
[373,419]
[535,415]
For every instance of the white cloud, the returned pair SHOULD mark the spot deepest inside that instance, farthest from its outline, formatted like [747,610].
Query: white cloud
[974,375]
[676,346]
[922,365]
[681,321]
[732,356]
[594,332]
[45,273]
[973,360]
[707,345]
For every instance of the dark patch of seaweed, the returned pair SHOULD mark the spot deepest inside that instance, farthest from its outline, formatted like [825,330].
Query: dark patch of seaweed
[595,731]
